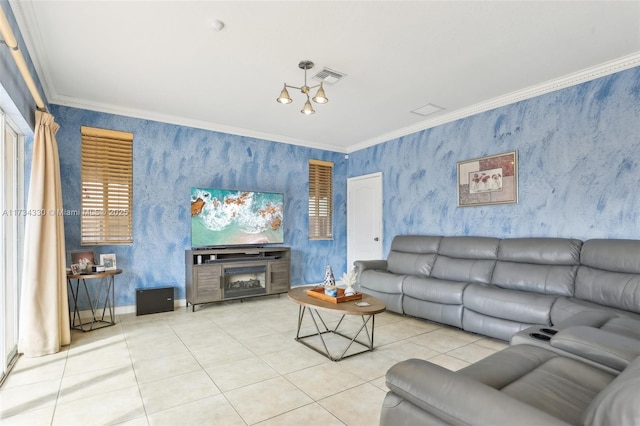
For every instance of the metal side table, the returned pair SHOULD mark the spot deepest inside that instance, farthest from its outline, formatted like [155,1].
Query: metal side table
[102,284]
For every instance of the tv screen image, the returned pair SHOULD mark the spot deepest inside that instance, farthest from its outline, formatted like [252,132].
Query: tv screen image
[223,217]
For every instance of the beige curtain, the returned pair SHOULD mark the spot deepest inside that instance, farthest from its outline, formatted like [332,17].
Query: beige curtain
[44,307]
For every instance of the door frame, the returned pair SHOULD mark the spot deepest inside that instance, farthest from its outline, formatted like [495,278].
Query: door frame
[13,230]
[349,210]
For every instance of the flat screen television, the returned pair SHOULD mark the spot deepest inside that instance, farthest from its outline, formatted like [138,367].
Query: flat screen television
[224,217]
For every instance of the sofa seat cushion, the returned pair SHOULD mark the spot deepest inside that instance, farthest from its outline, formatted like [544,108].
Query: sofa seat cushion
[600,346]
[434,290]
[608,321]
[514,305]
[623,326]
[381,281]
[562,387]
[507,365]
[433,311]
[559,386]
[565,309]
[498,328]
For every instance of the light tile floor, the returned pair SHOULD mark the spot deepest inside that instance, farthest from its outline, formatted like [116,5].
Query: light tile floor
[225,364]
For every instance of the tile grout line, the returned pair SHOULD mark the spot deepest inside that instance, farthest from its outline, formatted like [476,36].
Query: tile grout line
[222,393]
[144,407]
[55,405]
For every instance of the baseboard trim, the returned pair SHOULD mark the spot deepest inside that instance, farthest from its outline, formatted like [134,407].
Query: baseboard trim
[130,309]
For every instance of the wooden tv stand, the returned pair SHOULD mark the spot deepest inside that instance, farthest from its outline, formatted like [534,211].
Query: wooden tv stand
[213,275]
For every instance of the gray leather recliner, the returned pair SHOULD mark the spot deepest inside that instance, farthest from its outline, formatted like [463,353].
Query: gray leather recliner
[520,385]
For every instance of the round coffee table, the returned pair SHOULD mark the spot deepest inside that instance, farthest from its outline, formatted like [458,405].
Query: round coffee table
[366,308]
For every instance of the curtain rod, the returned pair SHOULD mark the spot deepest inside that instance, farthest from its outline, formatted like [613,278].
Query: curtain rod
[9,39]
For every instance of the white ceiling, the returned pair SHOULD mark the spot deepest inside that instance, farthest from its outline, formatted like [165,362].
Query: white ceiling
[162,60]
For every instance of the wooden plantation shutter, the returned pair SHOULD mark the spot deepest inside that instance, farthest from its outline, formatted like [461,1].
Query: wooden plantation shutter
[107,187]
[320,200]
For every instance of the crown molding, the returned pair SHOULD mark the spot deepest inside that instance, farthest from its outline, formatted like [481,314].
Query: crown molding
[188,122]
[602,70]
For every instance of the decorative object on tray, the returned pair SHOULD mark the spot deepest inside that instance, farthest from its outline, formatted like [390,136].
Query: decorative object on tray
[109,261]
[331,290]
[349,280]
[329,280]
[319,293]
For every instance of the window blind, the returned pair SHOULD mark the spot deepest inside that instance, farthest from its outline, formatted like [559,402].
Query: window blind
[107,187]
[320,200]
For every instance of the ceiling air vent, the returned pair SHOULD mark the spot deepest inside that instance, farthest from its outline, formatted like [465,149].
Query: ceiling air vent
[328,76]
[427,110]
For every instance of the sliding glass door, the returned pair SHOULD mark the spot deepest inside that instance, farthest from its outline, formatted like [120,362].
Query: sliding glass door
[12,226]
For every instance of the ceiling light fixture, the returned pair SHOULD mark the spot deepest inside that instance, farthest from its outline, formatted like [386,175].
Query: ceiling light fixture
[319,98]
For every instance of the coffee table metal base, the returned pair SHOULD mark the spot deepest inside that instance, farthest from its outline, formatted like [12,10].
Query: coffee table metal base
[322,329]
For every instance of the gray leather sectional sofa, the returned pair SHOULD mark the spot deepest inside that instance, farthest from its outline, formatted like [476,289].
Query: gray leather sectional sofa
[498,287]
[571,310]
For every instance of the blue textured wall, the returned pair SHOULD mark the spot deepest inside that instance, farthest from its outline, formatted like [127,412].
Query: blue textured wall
[168,161]
[579,157]
[579,167]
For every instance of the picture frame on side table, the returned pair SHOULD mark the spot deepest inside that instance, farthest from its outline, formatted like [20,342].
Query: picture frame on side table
[75,269]
[108,261]
[488,180]
[83,258]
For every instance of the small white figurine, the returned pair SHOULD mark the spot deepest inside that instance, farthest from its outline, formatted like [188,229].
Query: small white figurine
[349,280]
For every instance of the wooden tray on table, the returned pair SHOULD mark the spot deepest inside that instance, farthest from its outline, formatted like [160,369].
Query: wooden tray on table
[318,293]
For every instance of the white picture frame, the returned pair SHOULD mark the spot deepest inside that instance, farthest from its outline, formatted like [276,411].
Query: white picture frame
[75,269]
[108,261]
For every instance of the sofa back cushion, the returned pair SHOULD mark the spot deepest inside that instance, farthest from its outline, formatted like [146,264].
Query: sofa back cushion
[539,265]
[412,254]
[466,259]
[610,274]
[618,403]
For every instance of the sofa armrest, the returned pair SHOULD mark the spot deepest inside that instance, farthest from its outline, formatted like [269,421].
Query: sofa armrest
[459,399]
[601,346]
[363,265]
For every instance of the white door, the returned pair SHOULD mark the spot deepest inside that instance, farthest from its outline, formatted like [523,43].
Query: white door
[364,218]
[11,202]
